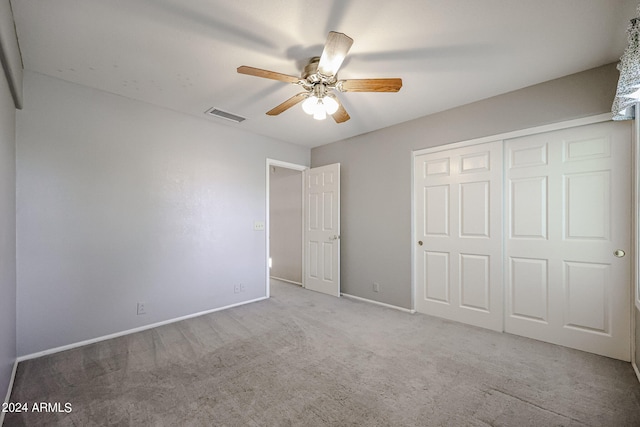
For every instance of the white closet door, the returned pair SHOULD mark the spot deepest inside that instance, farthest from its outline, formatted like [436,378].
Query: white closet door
[458,214]
[568,205]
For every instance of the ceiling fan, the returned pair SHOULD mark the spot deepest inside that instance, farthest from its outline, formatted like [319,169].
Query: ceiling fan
[319,79]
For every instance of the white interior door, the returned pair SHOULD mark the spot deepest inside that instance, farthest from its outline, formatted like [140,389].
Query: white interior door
[458,224]
[322,229]
[568,200]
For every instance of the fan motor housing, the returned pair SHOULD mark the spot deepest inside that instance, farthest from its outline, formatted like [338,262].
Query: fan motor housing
[311,68]
[312,77]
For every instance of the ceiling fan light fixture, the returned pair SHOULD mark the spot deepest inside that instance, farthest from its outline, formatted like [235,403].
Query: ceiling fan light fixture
[319,107]
[319,79]
[320,113]
[330,104]
[309,104]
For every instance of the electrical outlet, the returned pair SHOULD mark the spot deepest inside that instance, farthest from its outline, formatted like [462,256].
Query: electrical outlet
[236,289]
[242,287]
[142,309]
[376,287]
[258,225]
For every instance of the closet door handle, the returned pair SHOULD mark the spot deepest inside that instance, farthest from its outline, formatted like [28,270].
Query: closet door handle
[619,253]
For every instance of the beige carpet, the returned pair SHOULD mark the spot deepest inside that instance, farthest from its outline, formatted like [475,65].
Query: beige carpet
[306,359]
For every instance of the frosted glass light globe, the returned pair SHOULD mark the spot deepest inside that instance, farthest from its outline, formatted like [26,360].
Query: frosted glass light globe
[330,104]
[320,113]
[309,104]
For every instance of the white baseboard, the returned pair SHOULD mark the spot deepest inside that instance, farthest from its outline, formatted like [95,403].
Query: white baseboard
[635,368]
[285,280]
[9,389]
[395,307]
[130,331]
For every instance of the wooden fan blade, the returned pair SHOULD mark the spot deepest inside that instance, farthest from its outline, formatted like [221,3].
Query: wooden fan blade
[259,72]
[335,50]
[341,115]
[287,104]
[370,85]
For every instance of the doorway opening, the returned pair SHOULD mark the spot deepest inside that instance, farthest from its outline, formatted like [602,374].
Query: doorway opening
[284,224]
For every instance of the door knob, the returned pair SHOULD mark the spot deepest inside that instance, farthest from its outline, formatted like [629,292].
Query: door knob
[334,237]
[420,242]
[619,253]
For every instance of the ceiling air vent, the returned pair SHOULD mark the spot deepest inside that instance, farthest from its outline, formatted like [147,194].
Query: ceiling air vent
[224,115]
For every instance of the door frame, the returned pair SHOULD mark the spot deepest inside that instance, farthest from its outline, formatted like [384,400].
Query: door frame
[635,236]
[293,166]
[635,226]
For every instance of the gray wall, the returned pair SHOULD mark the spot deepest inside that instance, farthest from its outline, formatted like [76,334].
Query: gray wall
[376,172]
[285,222]
[11,58]
[7,235]
[122,202]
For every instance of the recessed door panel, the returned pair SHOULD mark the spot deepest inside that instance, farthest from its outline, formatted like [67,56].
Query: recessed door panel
[475,162]
[590,148]
[313,179]
[436,210]
[312,212]
[328,199]
[474,209]
[588,204]
[328,178]
[436,266]
[528,289]
[475,285]
[327,266]
[314,259]
[528,208]
[587,296]
[436,167]
[528,155]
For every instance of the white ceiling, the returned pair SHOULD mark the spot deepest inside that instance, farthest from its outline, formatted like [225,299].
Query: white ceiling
[183,54]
